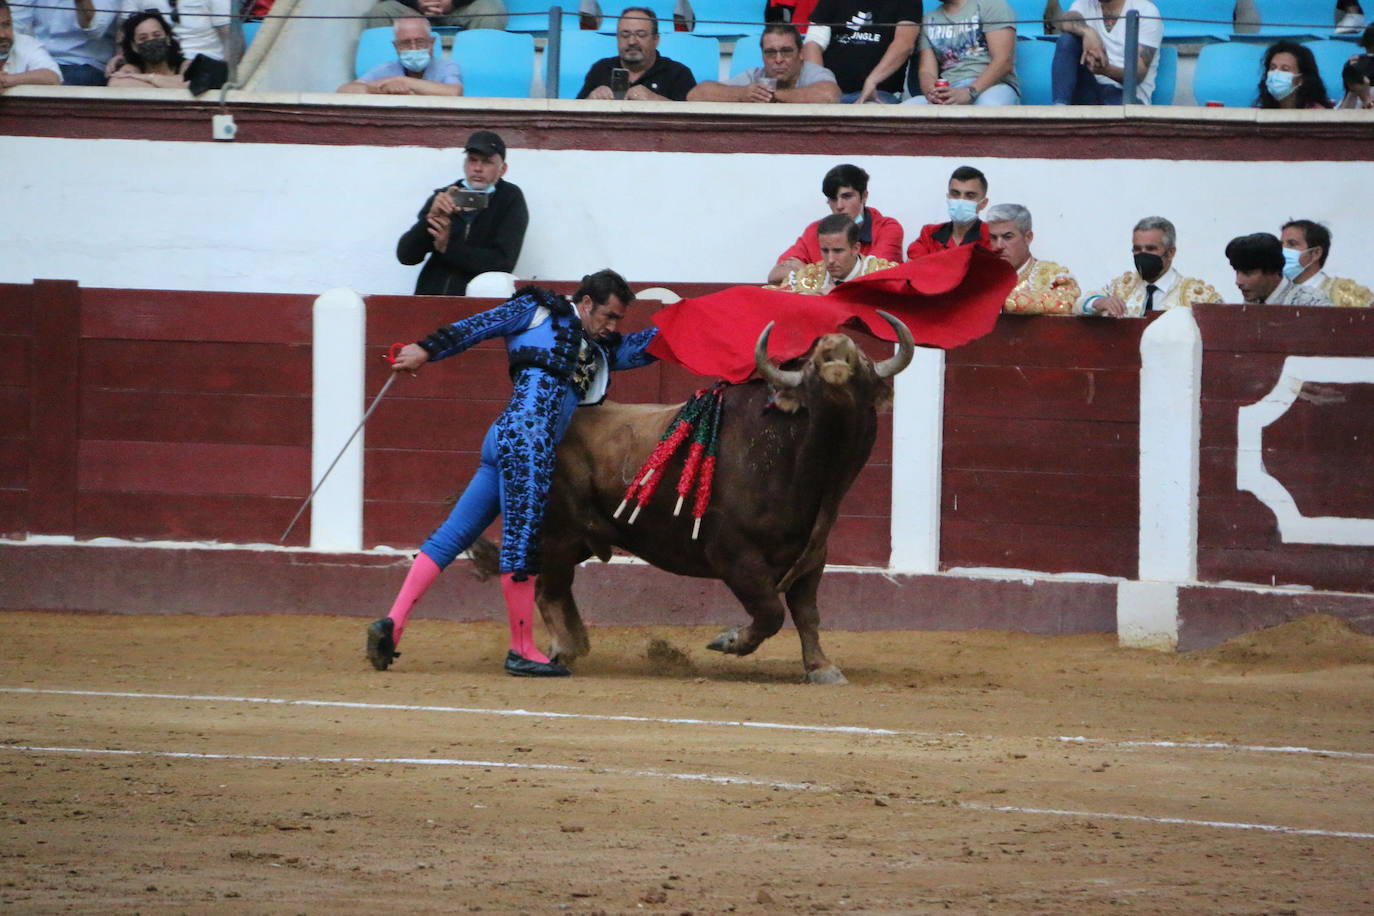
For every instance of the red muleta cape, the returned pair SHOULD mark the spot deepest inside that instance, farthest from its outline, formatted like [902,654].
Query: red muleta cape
[945,299]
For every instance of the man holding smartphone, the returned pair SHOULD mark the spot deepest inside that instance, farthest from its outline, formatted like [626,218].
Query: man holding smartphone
[639,73]
[475,225]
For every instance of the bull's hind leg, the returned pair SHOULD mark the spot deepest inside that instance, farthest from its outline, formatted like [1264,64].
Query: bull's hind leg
[801,601]
[559,610]
[766,611]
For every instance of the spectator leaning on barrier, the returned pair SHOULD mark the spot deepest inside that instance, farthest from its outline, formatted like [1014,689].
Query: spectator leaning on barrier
[865,43]
[461,239]
[840,259]
[846,191]
[474,14]
[77,35]
[199,26]
[1357,76]
[966,197]
[1042,287]
[1089,58]
[23,62]
[970,46]
[1306,246]
[417,70]
[652,77]
[1289,78]
[1154,285]
[152,56]
[1258,262]
[784,76]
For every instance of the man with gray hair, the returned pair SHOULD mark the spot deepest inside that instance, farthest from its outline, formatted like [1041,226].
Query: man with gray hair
[1042,287]
[1154,285]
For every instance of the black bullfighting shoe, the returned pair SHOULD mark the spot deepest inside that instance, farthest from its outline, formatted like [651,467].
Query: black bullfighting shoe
[519,666]
[381,645]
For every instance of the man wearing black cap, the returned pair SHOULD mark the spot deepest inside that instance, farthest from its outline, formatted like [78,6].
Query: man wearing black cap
[461,235]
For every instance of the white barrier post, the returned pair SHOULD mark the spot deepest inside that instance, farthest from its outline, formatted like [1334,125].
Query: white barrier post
[1170,437]
[336,515]
[918,417]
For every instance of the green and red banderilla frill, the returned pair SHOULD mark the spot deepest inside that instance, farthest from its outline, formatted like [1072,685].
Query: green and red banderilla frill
[698,420]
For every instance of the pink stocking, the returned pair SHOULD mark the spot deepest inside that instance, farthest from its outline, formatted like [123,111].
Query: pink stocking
[520,609]
[422,574]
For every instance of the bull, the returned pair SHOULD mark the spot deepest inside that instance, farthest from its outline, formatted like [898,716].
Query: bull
[790,446]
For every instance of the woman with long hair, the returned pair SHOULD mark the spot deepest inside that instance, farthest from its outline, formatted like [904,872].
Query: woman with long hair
[152,56]
[1290,79]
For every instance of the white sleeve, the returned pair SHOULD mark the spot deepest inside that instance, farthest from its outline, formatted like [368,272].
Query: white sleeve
[1151,32]
[220,13]
[818,35]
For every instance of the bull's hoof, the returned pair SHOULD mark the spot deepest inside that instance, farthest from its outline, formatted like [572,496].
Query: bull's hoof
[726,641]
[827,675]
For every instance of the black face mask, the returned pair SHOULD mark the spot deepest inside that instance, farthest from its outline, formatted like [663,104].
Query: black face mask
[1149,266]
[154,50]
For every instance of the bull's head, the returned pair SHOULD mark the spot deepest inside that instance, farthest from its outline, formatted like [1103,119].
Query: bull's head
[836,362]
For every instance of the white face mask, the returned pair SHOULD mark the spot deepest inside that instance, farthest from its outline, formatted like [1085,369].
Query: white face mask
[1292,262]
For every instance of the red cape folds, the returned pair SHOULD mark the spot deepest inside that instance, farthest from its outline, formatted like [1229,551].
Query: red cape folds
[946,299]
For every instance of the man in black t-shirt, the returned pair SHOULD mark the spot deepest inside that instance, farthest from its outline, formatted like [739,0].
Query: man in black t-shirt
[865,43]
[652,76]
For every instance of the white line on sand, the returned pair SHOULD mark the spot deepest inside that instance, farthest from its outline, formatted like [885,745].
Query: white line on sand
[654,774]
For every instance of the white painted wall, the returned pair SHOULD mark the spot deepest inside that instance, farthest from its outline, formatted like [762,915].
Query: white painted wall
[304,219]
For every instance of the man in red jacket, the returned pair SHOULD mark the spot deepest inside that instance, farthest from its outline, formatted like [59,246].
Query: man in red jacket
[967,196]
[846,191]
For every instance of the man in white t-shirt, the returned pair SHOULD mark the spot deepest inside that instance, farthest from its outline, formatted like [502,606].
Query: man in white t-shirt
[1089,59]
[23,61]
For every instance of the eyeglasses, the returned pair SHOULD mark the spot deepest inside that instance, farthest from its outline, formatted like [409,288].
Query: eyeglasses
[780,52]
[412,44]
[641,34]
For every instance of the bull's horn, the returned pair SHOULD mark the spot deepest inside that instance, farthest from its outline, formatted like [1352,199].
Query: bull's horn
[906,348]
[778,378]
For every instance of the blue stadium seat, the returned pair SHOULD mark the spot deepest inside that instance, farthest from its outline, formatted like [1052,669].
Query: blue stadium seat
[1228,73]
[495,64]
[727,18]
[1331,57]
[1033,60]
[250,31]
[701,55]
[1300,20]
[1166,77]
[579,51]
[374,47]
[747,56]
[1217,20]
[610,13]
[1030,17]
[532,16]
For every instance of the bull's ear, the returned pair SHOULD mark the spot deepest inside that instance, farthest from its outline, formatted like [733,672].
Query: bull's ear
[883,399]
[786,400]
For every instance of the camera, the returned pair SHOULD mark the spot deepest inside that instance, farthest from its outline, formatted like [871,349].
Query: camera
[468,200]
[620,82]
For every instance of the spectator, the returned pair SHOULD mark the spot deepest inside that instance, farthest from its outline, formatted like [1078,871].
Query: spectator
[1290,78]
[75,33]
[417,70]
[1367,39]
[1356,76]
[865,43]
[970,45]
[1042,287]
[199,26]
[1154,285]
[1089,58]
[462,242]
[472,14]
[846,191]
[1349,17]
[967,196]
[1306,245]
[23,62]
[784,76]
[152,56]
[1258,262]
[840,259]
[653,77]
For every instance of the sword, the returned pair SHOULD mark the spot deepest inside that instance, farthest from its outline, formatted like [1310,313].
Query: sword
[389,357]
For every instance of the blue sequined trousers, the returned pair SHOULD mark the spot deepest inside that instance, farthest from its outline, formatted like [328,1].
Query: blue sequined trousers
[513,479]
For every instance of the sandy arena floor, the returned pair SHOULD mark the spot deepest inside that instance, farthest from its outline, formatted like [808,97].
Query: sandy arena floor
[939,780]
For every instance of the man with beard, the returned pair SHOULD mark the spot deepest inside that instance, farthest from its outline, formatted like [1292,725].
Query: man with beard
[784,76]
[652,77]
[1154,285]
[23,62]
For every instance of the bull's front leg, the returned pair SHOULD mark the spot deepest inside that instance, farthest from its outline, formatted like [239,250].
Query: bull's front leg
[801,601]
[559,610]
[766,613]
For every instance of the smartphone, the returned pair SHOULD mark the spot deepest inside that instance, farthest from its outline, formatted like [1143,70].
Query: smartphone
[469,200]
[620,82]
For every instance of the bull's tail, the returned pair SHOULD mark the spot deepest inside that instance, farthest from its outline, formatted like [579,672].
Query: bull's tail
[486,559]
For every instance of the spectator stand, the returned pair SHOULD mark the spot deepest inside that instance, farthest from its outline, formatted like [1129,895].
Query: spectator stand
[725,19]
[495,64]
[1298,20]
[1228,73]
[700,54]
